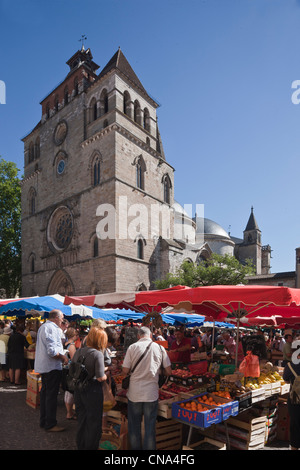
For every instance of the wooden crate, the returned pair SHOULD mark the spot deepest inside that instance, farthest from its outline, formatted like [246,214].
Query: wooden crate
[246,432]
[165,407]
[168,435]
[119,423]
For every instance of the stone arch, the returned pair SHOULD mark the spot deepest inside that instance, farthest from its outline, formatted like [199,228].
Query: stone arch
[60,283]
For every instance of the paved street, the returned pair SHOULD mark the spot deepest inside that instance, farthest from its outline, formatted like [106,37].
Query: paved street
[20,429]
[20,423]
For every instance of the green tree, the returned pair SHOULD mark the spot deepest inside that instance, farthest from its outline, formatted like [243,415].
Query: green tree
[217,270]
[10,229]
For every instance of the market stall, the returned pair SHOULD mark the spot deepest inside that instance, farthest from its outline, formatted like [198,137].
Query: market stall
[213,396]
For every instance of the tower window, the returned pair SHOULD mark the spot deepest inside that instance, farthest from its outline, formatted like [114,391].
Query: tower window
[76,86]
[167,189]
[95,247]
[146,121]
[140,249]
[96,172]
[104,102]
[126,103]
[140,169]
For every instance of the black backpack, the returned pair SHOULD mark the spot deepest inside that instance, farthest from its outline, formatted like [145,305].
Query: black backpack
[78,376]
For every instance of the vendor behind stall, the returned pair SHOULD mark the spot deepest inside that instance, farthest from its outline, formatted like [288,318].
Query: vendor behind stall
[182,346]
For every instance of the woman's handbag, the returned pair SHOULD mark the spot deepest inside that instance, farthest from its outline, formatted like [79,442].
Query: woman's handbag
[126,380]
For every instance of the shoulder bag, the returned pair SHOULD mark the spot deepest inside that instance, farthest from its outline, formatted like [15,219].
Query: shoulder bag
[162,379]
[126,380]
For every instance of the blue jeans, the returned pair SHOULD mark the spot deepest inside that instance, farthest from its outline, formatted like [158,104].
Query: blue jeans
[136,410]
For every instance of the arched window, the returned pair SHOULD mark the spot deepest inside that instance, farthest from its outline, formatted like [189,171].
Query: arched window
[137,112]
[48,111]
[96,171]
[140,169]
[95,247]
[32,201]
[140,249]
[93,110]
[32,264]
[127,101]
[146,121]
[76,86]
[104,102]
[167,189]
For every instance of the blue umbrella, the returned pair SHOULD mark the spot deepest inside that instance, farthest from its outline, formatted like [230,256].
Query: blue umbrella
[122,314]
[44,305]
[183,319]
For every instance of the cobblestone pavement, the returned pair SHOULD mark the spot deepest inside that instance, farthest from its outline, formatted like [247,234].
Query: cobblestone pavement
[19,424]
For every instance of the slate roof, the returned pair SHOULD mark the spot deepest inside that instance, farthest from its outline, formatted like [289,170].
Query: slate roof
[119,62]
[252,224]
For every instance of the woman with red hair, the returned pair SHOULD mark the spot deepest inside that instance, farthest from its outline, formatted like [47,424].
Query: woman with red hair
[89,402]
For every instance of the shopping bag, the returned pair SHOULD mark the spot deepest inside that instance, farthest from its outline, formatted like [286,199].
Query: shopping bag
[109,400]
[250,365]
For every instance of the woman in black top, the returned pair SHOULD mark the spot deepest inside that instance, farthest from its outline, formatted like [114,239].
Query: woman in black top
[293,410]
[15,350]
[89,402]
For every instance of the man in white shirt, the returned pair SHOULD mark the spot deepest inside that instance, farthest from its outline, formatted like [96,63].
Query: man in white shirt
[143,389]
[49,357]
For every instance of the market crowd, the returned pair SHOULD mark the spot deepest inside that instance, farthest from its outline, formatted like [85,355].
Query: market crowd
[57,342]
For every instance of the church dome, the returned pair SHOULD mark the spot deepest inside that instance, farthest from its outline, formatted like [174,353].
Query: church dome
[179,209]
[209,227]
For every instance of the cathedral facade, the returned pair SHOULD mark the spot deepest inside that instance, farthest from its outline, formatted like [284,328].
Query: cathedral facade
[98,208]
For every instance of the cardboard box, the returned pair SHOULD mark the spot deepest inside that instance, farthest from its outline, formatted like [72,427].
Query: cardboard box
[202,419]
[33,399]
[34,381]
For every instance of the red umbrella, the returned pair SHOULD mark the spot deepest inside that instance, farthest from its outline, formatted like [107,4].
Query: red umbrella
[220,302]
[248,304]
[118,300]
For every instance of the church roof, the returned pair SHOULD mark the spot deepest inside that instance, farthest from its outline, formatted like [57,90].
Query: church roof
[252,224]
[119,62]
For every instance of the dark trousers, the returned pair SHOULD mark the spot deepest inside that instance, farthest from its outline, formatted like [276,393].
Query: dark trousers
[48,398]
[89,410]
[294,413]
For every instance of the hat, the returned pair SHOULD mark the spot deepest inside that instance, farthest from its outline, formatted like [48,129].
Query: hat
[7,330]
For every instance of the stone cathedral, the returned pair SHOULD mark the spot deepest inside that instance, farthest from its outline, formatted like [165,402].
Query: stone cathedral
[98,207]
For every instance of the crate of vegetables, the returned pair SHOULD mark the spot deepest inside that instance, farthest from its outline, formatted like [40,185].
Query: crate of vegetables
[192,411]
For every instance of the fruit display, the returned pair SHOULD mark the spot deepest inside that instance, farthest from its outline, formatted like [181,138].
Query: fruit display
[193,405]
[209,400]
[176,389]
[223,394]
[164,395]
[269,378]
[182,373]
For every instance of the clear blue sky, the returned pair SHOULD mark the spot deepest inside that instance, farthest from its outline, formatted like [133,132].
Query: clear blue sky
[222,71]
